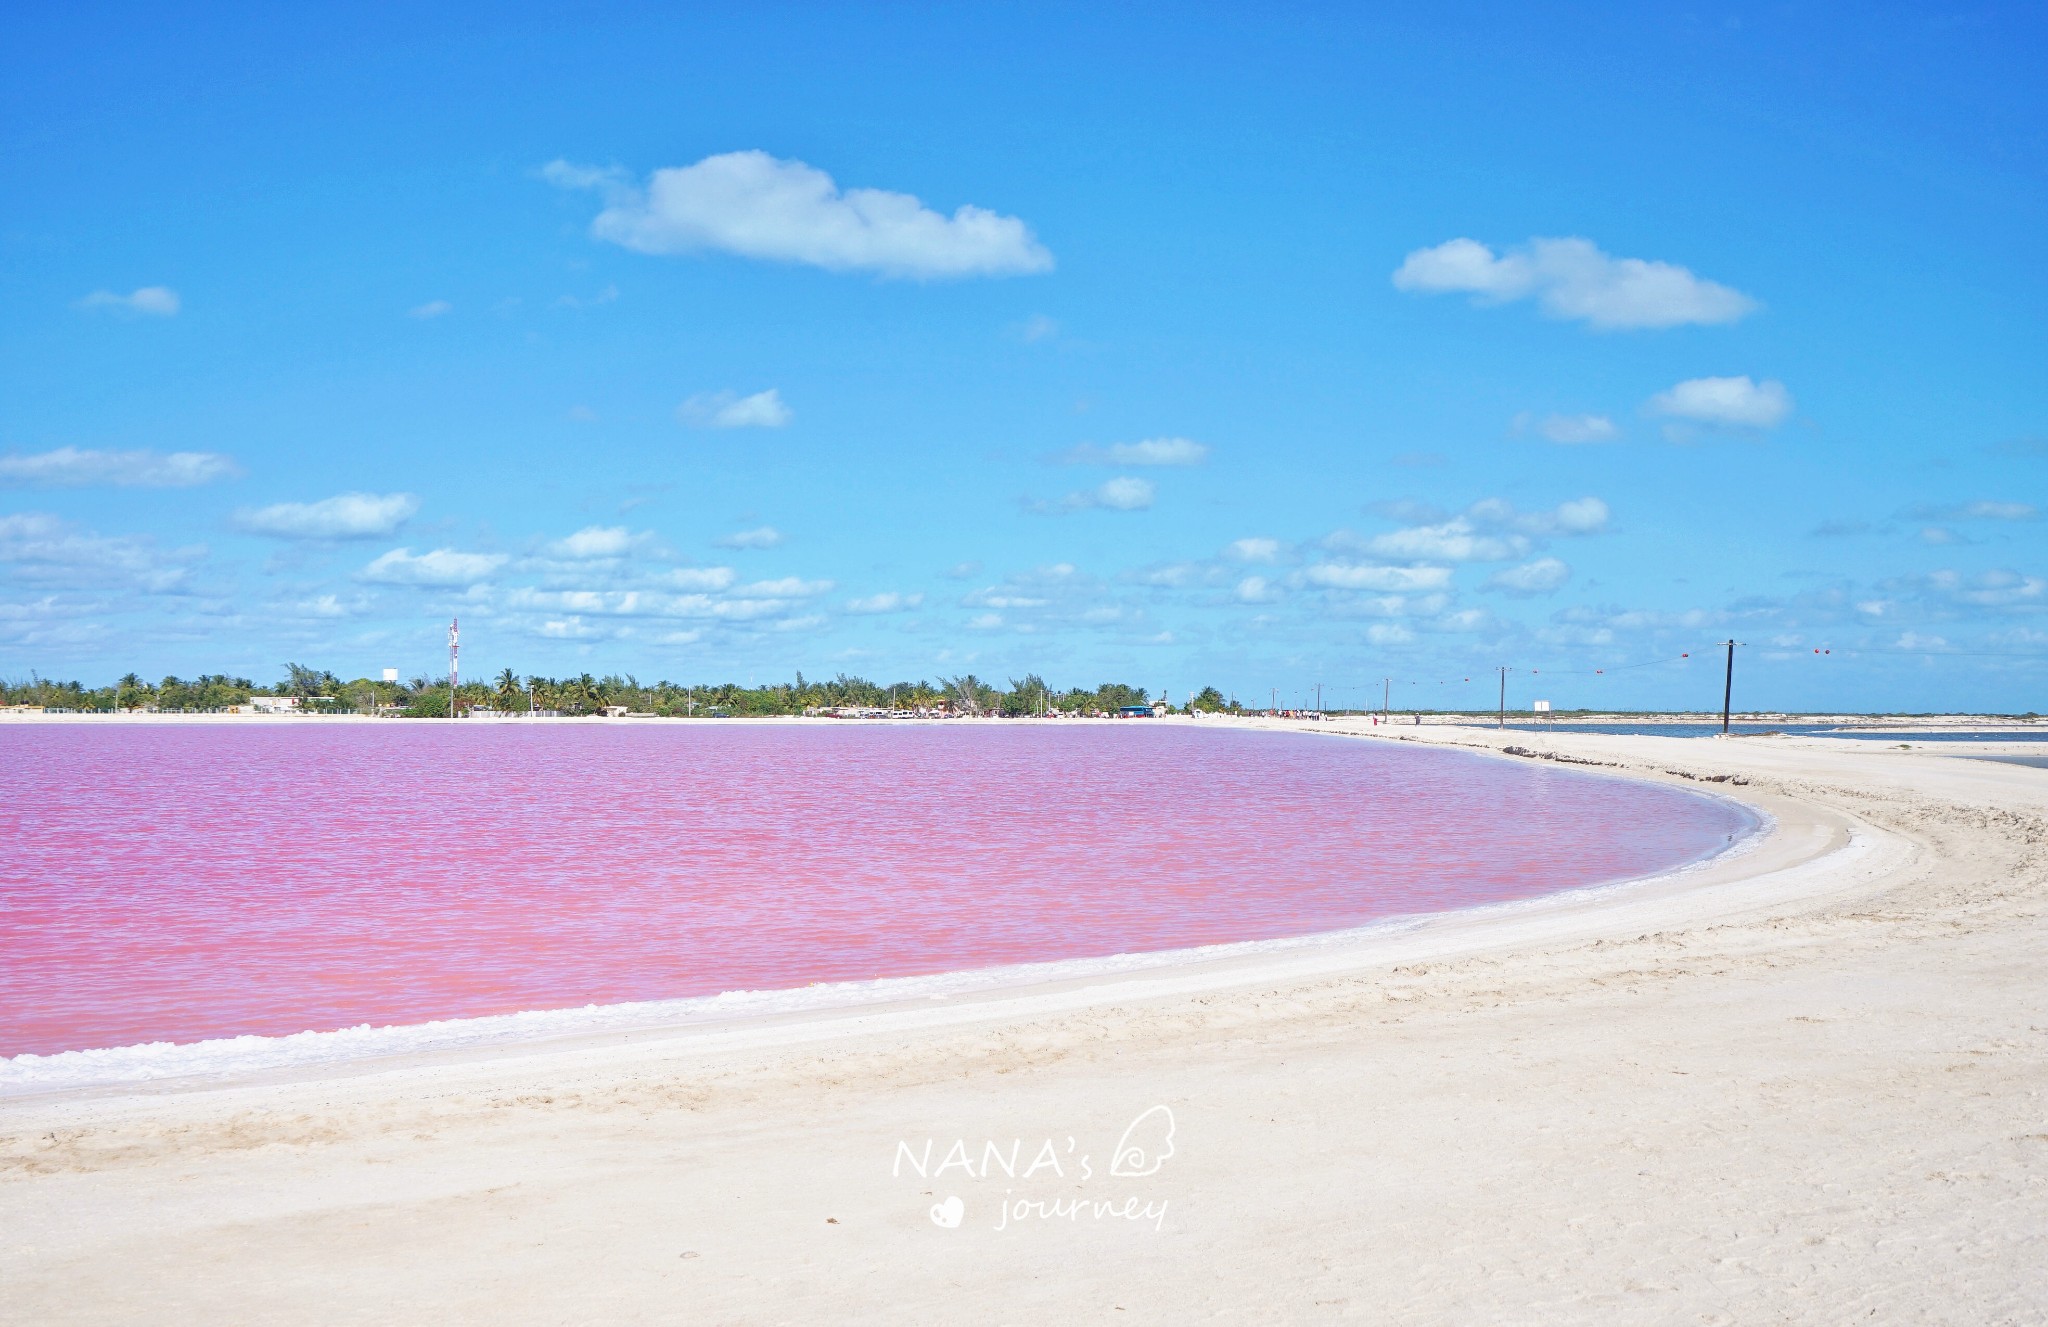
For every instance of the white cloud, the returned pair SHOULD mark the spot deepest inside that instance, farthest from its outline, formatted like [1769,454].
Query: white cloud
[1572,278]
[1361,576]
[1967,511]
[766,536]
[1575,429]
[985,622]
[786,587]
[431,309]
[1254,590]
[1578,516]
[1124,493]
[1038,327]
[1538,577]
[889,602]
[347,516]
[42,547]
[442,566]
[1254,550]
[702,578]
[72,467]
[1726,402]
[1581,515]
[725,410]
[1453,541]
[1388,633]
[1152,451]
[758,206]
[596,541]
[152,301]
[1491,530]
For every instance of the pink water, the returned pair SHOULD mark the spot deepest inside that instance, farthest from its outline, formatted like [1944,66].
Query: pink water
[179,883]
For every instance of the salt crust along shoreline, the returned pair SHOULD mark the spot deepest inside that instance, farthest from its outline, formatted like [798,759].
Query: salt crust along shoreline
[1808,1081]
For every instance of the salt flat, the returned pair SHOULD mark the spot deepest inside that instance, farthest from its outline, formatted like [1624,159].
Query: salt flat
[1806,1084]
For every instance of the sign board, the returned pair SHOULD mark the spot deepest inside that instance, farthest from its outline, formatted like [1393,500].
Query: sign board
[1541,707]
[391,675]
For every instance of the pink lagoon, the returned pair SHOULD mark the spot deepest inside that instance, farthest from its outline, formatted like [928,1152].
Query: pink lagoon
[181,883]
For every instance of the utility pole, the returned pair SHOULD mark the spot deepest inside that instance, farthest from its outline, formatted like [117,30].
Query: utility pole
[454,625]
[1503,696]
[1319,698]
[1728,684]
[1386,697]
[1276,701]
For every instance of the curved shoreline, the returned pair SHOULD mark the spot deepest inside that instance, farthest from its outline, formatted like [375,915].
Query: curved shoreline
[1802,1083]
[745,1019]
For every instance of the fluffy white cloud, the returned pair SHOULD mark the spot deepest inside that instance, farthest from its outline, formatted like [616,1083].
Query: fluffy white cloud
[1572,278]
[1152,451]
[1366,576]
[151,301]
[1254,550]
[1388,633]
[73,467]
[1726,402]
[765,536]
[1575,429]
[431,309]
[758,206]
[347,516]
[889,602]
[596,541]
[442,566]
[725,410]
[1538,577]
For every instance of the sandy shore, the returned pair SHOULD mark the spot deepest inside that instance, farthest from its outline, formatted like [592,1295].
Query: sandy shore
[1806,1083]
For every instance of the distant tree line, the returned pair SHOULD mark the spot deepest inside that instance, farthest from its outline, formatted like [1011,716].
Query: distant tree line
[320,690]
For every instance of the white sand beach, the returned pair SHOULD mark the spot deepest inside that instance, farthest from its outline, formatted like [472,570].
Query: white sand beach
[1805,1083]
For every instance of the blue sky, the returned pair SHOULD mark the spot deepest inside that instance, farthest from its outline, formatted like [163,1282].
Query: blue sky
[1246,347]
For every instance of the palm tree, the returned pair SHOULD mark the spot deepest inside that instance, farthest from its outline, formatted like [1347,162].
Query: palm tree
[508,690]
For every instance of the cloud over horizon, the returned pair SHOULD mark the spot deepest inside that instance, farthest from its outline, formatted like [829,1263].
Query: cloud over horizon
[759,206]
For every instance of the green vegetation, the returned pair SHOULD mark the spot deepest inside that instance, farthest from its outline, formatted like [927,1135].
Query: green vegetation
[320,691]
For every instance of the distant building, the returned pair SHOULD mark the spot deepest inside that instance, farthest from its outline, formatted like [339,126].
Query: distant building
[1140,712]
[274,704]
